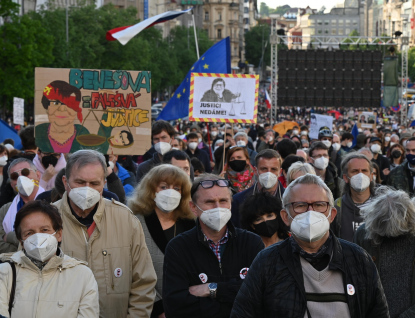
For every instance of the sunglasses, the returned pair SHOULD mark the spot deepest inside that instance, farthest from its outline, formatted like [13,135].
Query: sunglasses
[23,172]
[207,184]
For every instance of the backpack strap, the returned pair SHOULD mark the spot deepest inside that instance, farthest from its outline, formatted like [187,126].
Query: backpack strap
[13,291]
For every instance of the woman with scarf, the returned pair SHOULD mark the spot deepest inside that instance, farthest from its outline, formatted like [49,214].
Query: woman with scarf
[238,169]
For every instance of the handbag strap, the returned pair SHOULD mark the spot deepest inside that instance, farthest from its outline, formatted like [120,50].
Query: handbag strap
[13,291]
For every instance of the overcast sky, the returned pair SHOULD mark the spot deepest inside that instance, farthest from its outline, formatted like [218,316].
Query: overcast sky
[314,4]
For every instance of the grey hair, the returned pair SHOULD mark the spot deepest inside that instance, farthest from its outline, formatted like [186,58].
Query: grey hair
[354,155]
[306,179]
[299,167]
[20,160]
[390,214]
[241,134]
[206,176]
[85,157]
[366,152]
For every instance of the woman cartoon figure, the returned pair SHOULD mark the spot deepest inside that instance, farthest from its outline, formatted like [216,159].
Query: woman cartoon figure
[61,101]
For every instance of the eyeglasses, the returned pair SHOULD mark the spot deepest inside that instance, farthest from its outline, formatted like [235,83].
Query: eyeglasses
[23,172]
[207,184]
[318,206]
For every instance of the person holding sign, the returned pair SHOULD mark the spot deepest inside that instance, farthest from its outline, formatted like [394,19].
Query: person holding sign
[61,102]
[238,169]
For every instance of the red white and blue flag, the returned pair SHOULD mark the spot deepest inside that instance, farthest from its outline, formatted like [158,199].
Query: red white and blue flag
[267,100]
[126,33]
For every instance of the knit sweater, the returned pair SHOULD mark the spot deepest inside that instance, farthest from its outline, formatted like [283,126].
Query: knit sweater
[325,292]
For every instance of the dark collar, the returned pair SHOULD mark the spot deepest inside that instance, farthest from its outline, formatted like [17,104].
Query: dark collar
[89,219]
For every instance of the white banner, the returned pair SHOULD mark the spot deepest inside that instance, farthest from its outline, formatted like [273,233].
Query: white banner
[18,111]
[318,121]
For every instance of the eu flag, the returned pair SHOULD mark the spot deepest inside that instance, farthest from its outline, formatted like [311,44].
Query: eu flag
[215,60]
[355,132]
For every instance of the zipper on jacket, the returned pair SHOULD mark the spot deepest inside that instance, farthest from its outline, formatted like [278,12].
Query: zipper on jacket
[220,268]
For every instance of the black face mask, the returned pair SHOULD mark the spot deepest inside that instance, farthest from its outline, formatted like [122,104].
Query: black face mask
[266,228]
[237,165]
[396,154]
[49,160]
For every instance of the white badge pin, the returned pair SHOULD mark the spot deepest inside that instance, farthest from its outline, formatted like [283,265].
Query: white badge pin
[203,277]
[243,272]
[118,272]
[350,289]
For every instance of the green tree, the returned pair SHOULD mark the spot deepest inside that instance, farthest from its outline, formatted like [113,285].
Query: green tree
[263,10]
[411,64]
[8,8]
[24,45]
[255,40]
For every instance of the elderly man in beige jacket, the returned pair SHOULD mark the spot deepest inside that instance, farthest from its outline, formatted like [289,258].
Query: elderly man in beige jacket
[109,237]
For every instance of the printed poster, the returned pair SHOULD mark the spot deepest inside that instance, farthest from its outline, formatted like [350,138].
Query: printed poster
[103,110]
[318,121]
[366,120]
[18,111]
[230,98]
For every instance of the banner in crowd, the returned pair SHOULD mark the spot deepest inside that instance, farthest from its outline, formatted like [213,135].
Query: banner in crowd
[223,98]
[103,110]
[318,121]
[18,111]
[367,120]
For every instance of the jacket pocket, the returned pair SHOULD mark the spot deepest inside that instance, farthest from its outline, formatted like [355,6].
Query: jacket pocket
[117,267]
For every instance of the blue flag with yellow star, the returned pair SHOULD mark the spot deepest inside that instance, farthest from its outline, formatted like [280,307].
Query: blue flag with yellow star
[215,60]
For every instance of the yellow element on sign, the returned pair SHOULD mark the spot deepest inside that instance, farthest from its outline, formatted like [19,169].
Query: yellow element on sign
[126,117]
[47,90]
[205,66]
[184,90]
[179,95]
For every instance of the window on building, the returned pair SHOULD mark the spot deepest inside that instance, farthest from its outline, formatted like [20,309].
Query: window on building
[326,31]
[206,16]
[219,33]
[319,31]
[312,32]
[333,22]
[326,22]
[347,22]
[220,16]
[354,23]
[341,32]
[341,22]
[235,16]
[311,22]
[319,22]
[347,31]
[333,31]
[235,50]
[246,10]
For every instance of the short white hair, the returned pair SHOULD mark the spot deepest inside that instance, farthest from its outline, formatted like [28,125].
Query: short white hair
[242,134]
[306,179]
[299,167]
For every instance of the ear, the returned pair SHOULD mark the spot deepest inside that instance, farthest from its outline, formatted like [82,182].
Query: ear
[284,216]
[255,170]
[345,178]
[65,182]
[333,214]
[39,175]
[193,208]
[58,235]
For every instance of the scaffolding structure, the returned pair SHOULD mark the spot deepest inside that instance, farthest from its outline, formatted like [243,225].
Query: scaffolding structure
[335,42]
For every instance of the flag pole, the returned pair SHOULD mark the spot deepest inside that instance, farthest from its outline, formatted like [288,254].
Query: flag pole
[194,29]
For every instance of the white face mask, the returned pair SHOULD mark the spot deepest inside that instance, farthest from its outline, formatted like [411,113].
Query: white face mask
[321,163]
[25,186]
[375,148]
[241,143]
[111,164]
[84,197]
[192,145]
[167,200]
[336,146]
[267,180]
[304,133]
[387,138]
[162,147]
[310,226]
[175,148]
[199,140]
[327,143]
[215,218]
[392,143]
[295,132]
[349,144]
[41,246]
[3,161]
[214,133]
[359,182]
[270,139]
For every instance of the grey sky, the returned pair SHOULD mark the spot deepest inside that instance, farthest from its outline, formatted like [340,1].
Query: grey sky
[314,4]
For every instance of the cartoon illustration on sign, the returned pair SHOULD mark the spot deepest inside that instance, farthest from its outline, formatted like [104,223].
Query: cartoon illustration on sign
[101,110]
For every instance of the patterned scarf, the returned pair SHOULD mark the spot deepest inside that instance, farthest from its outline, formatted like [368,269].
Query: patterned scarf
[241,180]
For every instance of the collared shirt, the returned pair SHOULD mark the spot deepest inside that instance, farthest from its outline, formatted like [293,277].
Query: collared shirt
[318,260]
[220,246]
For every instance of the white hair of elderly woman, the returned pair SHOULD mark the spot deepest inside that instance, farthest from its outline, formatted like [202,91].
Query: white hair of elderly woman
[299,167]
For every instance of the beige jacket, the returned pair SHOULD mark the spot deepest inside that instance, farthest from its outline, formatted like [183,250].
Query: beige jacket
[65,287]
[12,243]
[118,256]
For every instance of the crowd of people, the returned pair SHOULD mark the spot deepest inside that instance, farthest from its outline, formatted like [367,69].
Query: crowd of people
[212,221]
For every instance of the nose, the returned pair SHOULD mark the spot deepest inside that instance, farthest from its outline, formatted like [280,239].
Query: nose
[61,107]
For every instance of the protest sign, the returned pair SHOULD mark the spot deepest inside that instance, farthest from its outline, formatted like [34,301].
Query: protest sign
[367,120]
[318,121]
[223,98]
[18,111]
[107,111]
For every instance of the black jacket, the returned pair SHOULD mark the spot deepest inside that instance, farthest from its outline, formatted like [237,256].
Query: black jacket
[274,286]
[188,256]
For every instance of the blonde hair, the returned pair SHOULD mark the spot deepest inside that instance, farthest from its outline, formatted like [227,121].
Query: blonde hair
[299,167]
[142,200]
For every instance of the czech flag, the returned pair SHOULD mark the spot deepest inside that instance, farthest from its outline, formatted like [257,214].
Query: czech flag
[126,33]
[267,100]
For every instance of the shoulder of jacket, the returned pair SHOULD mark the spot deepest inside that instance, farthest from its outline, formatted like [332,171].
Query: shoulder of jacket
[4,209]
[118,203]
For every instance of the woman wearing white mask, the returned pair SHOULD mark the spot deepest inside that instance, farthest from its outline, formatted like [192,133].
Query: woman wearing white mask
[47,283]
[161,203]
[4,156]
[238,169]
[382,162]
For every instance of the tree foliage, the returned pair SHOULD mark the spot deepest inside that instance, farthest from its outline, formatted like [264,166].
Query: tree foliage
[255,40]
[38,39]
